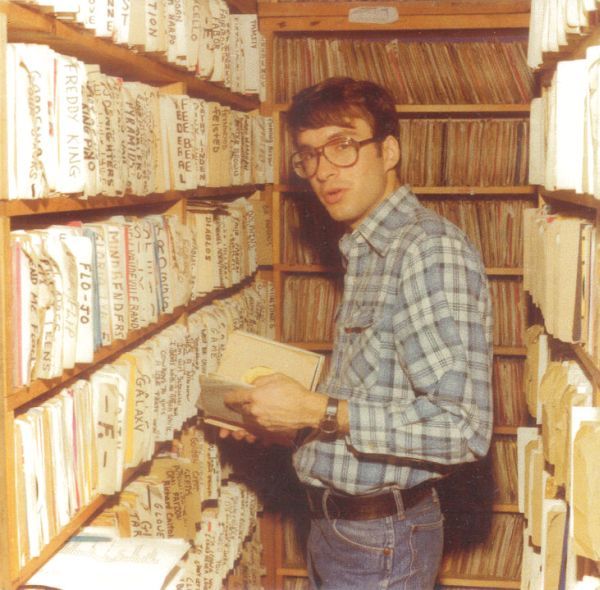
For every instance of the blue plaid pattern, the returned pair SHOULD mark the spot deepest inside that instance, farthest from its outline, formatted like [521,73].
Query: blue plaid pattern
[412,354]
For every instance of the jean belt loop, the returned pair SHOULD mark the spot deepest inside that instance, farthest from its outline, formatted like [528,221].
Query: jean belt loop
[398,499]
[324,499]
[327,496]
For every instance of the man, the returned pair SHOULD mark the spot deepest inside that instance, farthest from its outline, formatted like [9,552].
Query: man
[408,393]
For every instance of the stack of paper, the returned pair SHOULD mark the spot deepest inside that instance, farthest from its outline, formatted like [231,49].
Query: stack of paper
[552,23]
[121,564]
[200,36]
[584,482]
[78,443]
[103,136]
[558,253]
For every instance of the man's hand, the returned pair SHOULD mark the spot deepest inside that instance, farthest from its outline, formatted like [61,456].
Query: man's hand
[239,434]
[278,404]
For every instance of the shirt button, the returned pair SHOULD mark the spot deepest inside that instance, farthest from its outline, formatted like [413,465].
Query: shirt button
[387,551]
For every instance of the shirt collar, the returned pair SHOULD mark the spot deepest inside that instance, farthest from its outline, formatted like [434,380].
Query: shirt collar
[382,223]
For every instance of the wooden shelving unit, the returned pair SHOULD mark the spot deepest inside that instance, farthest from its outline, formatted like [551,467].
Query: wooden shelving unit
[20,23]
[416,18]
[584,206]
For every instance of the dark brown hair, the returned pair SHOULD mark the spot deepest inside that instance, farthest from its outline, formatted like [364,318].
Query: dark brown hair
[336,101]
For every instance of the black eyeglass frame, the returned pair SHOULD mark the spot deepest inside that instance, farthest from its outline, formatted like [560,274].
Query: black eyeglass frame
[320,151]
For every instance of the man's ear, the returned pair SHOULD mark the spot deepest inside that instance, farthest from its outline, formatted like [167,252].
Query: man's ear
[391,152]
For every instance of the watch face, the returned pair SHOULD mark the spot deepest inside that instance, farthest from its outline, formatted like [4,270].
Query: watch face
[329,425]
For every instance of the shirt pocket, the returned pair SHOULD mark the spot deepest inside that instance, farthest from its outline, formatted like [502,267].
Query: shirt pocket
[362,350]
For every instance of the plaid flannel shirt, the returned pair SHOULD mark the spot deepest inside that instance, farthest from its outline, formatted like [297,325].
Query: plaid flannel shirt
[412,354]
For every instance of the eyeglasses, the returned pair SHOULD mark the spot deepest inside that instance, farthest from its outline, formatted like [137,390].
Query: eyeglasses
[341,152]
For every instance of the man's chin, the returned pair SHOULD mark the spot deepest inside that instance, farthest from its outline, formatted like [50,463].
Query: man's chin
[337,213]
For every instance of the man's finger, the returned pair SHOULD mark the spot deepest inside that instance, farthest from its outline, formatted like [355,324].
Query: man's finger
[242,434]
[238,397]
[265,379]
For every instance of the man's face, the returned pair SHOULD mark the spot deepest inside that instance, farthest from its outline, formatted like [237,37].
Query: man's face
[350,194]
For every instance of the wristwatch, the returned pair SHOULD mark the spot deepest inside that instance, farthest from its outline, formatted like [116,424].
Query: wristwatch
[329,422]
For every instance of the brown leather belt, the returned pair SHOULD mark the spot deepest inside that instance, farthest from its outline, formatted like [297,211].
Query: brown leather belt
[364,507]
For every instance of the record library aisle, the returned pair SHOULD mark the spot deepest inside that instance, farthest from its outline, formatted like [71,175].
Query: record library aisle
[149,211]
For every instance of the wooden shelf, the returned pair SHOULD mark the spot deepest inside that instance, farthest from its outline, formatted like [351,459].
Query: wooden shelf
[474,191]
[29,26]
[467,109]
[24,395]
[571,197]
[494,271]
[498,271]
[578,47]
[442,109]
[243,6]
[67,204]
[296,572]
[510,350]
[506,508]
[575,49]
[506,430]
[495,508]
[564,350]
[495,583]
[292,188]
[328,346]
[306,268]
[588,363]
[500,192]
[414,15]
[292,572]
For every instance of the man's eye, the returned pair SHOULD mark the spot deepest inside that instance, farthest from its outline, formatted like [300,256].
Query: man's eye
[306,156]
[342,146]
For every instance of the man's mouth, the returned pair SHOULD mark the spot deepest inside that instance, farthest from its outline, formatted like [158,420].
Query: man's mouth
[332,196]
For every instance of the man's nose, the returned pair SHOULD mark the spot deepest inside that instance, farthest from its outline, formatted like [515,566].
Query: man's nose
[325,168]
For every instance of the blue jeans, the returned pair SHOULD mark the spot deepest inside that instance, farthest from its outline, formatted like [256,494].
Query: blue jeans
[400,552]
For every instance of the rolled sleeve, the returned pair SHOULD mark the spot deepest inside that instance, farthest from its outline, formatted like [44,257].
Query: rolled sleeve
[442,346]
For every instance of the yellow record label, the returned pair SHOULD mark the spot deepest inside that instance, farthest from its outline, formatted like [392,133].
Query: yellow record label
[256,372]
